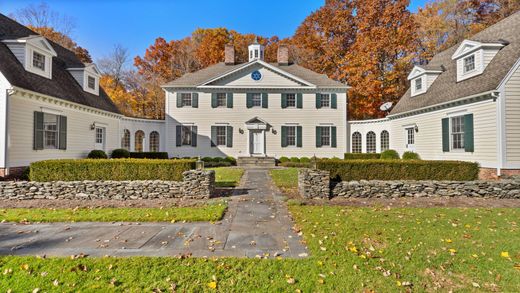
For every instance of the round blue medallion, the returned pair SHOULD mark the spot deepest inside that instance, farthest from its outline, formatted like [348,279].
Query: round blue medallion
[256,75]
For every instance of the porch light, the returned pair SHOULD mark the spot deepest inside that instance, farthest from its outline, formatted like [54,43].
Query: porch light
[241,131]
[416,128]
[274,131]
[93,126]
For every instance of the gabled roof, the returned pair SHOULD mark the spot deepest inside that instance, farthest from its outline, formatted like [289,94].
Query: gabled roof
[62,85]
[446,88]
[218,70]
[420,70]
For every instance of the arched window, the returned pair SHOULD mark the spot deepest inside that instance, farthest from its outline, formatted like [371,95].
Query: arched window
[154,141]
[125,140]
[356,142]
[139,140]
[371,142]
[385,140]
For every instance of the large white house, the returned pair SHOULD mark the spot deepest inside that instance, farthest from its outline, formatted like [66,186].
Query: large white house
[463,105]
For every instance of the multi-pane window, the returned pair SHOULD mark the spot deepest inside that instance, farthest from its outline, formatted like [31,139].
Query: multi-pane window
[186,135]
[356,142]
[221,99]
[457,132]
[186,99]
[410,136]
[385,140]
[221,135]
[418,84]
[91,82]
[125,141]
[325,100]
[99,134]
[371,142]
[291,100]
[38,61]
[469,63]
[51,131]
[257,100]
[139,141]
[154,141]
[325,136]
[291,135]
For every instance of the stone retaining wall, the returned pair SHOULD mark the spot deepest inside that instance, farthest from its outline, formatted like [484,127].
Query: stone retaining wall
[313,183]
[196,184]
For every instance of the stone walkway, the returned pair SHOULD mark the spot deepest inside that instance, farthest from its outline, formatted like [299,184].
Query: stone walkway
[257,224]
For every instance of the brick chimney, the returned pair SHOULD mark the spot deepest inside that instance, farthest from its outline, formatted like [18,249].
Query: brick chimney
[229,53]
[283,55]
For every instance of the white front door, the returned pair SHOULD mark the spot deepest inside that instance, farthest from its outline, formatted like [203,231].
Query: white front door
[100,138]
[257,142]
[410,139]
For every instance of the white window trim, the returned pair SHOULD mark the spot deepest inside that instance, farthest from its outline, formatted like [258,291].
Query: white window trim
[182,100]
[295,125]
[454,150]
[329,126]
[464,71]
[416,92]
[253,100]
[29,52]
[225,135]
[330,100]
[295,100]
[479,65]
[225,100]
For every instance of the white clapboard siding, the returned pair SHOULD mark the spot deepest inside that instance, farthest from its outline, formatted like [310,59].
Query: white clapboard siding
[512,119]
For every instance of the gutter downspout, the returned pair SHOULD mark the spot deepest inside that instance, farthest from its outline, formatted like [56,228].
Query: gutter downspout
[8,92]
[499,97]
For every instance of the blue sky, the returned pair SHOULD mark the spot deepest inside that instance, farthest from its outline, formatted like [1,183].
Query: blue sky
[100,24]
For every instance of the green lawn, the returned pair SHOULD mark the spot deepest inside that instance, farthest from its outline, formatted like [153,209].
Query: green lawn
[352,249]
[211,212]
[227,177]
[285,178]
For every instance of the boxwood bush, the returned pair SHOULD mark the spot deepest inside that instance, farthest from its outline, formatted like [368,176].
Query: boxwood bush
[149,155]
[408,155]
[348,170]
[283,159]
[104,169]
[390,155]
[361,156]
[120,154]
[212,162]
[295,164]
[97,154]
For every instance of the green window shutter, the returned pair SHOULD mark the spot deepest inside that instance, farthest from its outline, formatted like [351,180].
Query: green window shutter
[249,101]
[178,135]
[284,136]
[213,100]
[213,136]
[299,136]
[194,136]
[38,131]
[445,134]
[334,101]
[265,101]
[468,133]
[179,100]
[284,101]
[229,138]
[230,100]
[63,132]
[195,100]
[299,100]
[333,140]
[318,101]
[318,136]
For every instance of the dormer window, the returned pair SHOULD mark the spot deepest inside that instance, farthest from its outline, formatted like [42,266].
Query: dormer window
[418,84]
[87,77]
[34,53]
[91,82]
[38,61]
[421,78]
[469,63]
[472,57]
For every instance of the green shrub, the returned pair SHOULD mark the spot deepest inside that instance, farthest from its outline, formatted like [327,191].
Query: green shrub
[295,164]
[295,160]
[348,170]
[390,155]
[207,159]
[118,170]
[305,160]
[214,164]
[120,154]
[283,159]
[361,156]
[411,156]
[231,160]
[97,154]
[149,155]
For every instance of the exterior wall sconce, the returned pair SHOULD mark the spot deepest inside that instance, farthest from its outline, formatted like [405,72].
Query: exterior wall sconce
[416,128]
[93,126]
[241,131]
[274,131]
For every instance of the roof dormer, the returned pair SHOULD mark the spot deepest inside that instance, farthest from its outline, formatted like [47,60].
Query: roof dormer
[87,77]
[34,53]
[472,57]
[422,78]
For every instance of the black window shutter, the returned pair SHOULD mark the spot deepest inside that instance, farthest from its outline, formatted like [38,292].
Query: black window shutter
[229,138]
[213,136]
[333,140]
[38,131]
[445,134]
[179,100]
[299,136]
[318,136]
[334,101]
[249,100]
[230,100]
[194,136]
[299,101]
[63,133]
[213,100]
[195,100]
[265,100]
[284,136]
[468,133]
[318,101]
[284,101]
[178,135]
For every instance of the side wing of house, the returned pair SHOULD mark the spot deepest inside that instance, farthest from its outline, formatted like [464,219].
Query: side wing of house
[510,91]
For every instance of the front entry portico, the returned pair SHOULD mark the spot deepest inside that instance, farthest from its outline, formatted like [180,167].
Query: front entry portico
[257,128]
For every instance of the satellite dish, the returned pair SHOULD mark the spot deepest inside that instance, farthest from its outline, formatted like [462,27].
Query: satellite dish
[386,106]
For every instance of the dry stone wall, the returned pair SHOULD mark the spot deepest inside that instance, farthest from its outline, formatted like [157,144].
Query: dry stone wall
[197,184]
[314,183]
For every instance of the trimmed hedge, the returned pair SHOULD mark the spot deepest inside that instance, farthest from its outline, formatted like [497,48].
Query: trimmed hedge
[390,155]
[120,154]
[149,155]
[211,162]
[349,170]
[361,156]
[97,154]
[295,164]
[408,155]
[102,169]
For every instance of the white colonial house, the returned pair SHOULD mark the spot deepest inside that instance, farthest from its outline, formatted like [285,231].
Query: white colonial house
[463,105]
[256,109]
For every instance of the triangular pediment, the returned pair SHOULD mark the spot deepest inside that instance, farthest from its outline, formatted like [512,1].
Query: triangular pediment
[256,120]
[41,43]
[257,74]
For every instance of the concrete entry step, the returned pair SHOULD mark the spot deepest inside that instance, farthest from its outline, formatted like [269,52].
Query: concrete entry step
[256,162]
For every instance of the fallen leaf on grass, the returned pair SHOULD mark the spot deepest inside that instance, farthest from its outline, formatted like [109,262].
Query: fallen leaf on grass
[212,285]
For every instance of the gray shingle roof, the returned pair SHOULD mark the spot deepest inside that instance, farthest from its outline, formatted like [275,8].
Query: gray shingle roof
[62,85]
[196,78]
[446,88]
